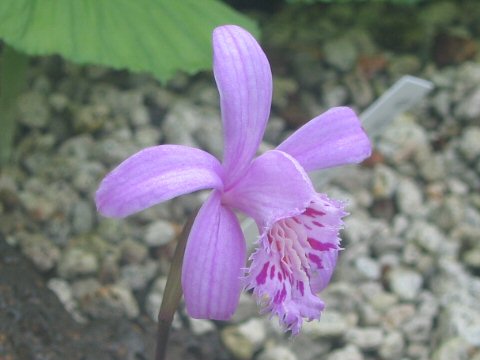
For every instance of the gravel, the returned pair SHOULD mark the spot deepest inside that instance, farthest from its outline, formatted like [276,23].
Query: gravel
[407,284]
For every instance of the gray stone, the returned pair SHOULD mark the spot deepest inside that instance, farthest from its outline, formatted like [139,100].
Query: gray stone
[404,140]
[82,217]
[393,346]
[209,135]
[469,144]
[398,315]
[368,338]
[417,351]
[334,94]
[110,301]
[245,339]
[83,287]
[409,197]
[400,65]
[77,261]
[450,213]
[369,316]
[159,233]
[427,236]
[331,324]
[349,352]
[418,328]
[360,89]
[273,132]
[33,109]
[472,258]
[87,176]
[468,109]
[136,276]
[154,297]
[341,53]
[200,326]
[277,352]
[181,122]
[406,283]
[246,309]
[146,136]
[132,252]
[368,268]
[38,206]
[78,147]
[384,181]
[111,151]
[458,292]
[139,115]
[442,103]
[433,168]
[452,349]
[42,252]
[58,101]
[283,88]
[90,118]
[461,319]
[64,293]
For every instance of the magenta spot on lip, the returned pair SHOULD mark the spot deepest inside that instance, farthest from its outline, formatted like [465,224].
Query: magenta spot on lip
[279,275]
[317,224]
[276,298]
[262,276]
[272,272]
[321,246]
[308,227]
[283,294]
[297,221]
[316,260]
[300,287]
[313,212]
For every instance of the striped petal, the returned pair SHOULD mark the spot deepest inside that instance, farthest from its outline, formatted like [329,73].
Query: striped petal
[334,138]
[154,175]
[244,81]
[213,263]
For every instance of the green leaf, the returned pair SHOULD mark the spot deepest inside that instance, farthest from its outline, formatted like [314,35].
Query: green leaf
[155,36]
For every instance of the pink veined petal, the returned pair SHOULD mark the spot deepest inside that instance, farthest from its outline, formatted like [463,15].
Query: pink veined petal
[213,263]
[334,138]
[154,175]
[244,81]
[322,222]
[274,187]
[295,260]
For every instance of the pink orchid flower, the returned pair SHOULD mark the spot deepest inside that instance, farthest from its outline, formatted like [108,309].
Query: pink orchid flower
[299,228]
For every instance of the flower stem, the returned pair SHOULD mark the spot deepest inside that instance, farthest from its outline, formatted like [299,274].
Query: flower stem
[173,292]
[12,81]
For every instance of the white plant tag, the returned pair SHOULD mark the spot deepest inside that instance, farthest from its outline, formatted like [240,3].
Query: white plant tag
[400,97]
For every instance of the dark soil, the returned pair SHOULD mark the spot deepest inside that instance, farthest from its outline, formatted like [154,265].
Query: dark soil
[34,325]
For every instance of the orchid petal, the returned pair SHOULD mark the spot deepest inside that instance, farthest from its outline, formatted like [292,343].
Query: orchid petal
[213,263]
[154,175]
[244,81]
[274,187]
[295,260]
[322,222]
[334,138]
